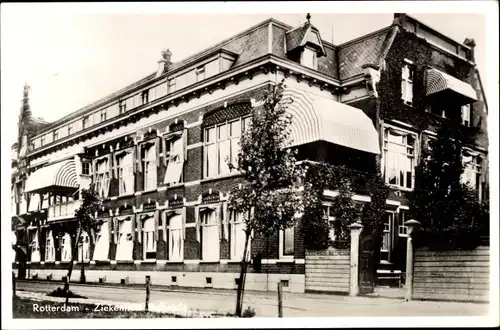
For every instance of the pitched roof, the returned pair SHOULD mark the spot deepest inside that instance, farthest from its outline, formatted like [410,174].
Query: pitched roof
[365,50]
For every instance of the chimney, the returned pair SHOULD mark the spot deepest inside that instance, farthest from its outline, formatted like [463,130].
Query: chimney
[471,43]
[399,19]
[165,62]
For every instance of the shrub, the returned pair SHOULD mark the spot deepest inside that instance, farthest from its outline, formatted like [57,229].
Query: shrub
[249,312]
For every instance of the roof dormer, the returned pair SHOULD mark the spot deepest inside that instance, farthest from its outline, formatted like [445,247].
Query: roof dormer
[303,44]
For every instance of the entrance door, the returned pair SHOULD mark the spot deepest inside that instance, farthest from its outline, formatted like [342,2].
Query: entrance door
[366,265]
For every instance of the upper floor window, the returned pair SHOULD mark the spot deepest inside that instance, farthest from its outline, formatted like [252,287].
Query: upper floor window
[125,173]
[103,115]
[102,177]
[86,122]
[149,166]
[56,134]
[466,115]
[70,129]
[42,141]
[145,97]
[222,145]
[309,58]
[407,84]
[174,157]
[122,106]
[86,168]
[399,158]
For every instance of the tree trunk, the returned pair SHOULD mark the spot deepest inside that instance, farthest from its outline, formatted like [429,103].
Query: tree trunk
[241,283]
[74,253]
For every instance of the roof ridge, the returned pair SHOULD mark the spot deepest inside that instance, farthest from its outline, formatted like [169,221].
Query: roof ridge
[366,36]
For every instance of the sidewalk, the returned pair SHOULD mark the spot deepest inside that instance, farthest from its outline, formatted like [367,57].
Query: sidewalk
[265,303]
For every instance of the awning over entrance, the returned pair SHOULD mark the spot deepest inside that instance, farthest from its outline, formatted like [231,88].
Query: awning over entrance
[58,176]
[441,83]
[315,118]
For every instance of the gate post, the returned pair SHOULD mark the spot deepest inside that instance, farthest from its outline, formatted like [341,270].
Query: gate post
[411,224]
[355,232]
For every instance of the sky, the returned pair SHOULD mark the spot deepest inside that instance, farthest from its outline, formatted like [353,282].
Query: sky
[72,57]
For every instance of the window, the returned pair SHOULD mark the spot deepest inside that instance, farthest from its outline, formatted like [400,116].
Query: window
[35,248]
[221,145]
[309,58]
[407,84]
[402,228]
[200,74]
[50,252]
[175,239]
[101,248]
[328,214]
[83,247]
[472,170]
[286,241]
[466,114]
[209,235]
[149,166]
[42,141]
[171,85]
[56,135]
[86,168]
[238,235]
[125,173]
[103,115]
[399,158]
[66,248]
[386,239]
[145,97]
[149,241]
[125,239]
[70,129]
[122,107]
[86,122]
[175,158]
[102,177]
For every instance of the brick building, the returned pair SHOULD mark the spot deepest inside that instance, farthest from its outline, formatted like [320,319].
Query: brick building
[156,150]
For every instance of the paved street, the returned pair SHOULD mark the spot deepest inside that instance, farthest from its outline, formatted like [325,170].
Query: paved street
[265,303]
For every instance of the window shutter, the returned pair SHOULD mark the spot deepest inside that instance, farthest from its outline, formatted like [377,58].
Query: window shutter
[183,223]
[197,222]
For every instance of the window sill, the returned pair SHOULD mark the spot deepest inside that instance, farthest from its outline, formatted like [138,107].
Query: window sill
[124,195]
[399,187]
[209,261]
[179,262]
[220,177]
[285,260]
[148,261]
[124,261]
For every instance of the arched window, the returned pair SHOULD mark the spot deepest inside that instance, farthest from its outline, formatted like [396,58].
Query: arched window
[84,247]
[50,252]
[149,240]
[210,242]
[101,249]
[66,248]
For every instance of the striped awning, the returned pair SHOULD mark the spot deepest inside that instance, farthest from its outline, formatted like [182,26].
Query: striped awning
[315,118]
[59,175]
[438,82]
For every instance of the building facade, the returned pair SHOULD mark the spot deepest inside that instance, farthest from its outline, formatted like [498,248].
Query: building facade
[156,151]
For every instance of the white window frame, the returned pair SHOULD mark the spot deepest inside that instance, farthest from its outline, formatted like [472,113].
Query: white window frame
[103,177]
[473,169]
[402,228]
[102,242]
[174,158]
[282,254]
[172,230]
[35,248]
[387,237]
[123,237]
[66,248]
[50,252]
[124,172]
[148,234]
[314,54]
[148,157]
[408,155]
[407,75]
[213,242]
[466,115]
[229,138]
[237,222]
[85,245]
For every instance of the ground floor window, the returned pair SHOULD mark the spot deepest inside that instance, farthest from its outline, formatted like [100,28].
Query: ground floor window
[210,245]
[125,240]
[101,248]
[84,247]
[402,228]
[175,239]
[286,243]
[386,238]
[35,248]
[50,254]
[66,248]
[149,240]
[238,235]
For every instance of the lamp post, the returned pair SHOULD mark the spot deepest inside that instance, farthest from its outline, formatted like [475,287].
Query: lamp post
[411,224]
[82,272]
